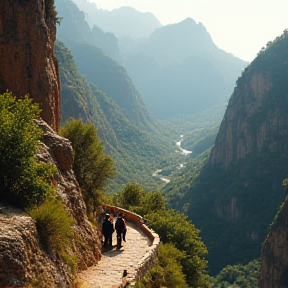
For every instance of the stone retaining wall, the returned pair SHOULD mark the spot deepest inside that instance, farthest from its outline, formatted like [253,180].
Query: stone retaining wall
[148,260]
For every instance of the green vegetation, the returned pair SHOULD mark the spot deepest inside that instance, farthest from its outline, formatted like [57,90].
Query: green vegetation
[167,272]
[181,182]
[237,276]
[51,12]
[138,150]
[200,140]
[93,169]
[174,228]
[178,235]
[138,200]
[24,181]
[233,206]
[54,228]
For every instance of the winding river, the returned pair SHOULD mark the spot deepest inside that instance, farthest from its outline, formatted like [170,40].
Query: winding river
[182,151]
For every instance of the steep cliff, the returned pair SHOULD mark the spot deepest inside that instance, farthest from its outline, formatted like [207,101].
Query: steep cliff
[23,262]
[274,255]
[238,191]
[28,65]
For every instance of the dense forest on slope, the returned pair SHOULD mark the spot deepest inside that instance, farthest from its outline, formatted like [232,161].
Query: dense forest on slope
[137,152]
[237,192]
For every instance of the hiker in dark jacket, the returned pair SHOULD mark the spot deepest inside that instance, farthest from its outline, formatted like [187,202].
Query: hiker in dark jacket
[120,227]
[107,231]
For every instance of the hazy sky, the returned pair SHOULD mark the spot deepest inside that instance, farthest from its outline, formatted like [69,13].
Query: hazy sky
[240,27]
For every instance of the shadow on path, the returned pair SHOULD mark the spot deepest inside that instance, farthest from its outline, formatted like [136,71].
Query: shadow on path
[113,253]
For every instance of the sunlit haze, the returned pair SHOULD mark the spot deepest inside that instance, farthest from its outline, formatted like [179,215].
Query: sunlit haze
[238,27]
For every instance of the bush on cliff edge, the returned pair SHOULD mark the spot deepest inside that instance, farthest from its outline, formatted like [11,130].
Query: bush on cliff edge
[24,181]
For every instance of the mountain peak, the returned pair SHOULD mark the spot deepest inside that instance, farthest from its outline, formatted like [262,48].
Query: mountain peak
[187,35]
[188,20]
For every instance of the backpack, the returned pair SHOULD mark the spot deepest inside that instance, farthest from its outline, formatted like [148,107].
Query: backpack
[119,225]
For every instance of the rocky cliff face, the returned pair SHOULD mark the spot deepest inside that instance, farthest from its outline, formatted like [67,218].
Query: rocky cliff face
[239,190]
[28,65]
[274,256]
[243,131]
[22,261]
[58,150]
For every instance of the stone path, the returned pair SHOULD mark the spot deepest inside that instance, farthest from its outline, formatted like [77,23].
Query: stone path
[108,273]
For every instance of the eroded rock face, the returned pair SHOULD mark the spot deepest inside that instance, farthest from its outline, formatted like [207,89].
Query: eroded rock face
[237,138]
[274,256]
[58,150]
[22,261]
[240,188]
[27,62]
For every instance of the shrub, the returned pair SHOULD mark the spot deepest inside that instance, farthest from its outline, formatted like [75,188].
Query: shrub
[138,200]
[93,169]
[24,182]
[54,228]
[53,224]
[51,12]
[167,272]
[174,228]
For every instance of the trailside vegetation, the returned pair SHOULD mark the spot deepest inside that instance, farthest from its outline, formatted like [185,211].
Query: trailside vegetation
[92,167]
[24,181]
[183,251]
[167,272]
[53,224]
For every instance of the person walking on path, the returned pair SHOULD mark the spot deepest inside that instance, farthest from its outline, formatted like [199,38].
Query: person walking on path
[121,229]
[107,231]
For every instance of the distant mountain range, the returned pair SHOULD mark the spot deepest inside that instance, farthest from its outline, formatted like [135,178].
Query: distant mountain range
[125,21]
[107,97]
[179,70]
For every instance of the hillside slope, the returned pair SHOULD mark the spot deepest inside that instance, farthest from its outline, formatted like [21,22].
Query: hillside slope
[136,151]
[238,191]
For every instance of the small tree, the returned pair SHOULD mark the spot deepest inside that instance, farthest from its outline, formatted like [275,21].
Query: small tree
[23,180]
[132,195]
[92,167]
